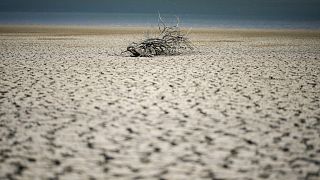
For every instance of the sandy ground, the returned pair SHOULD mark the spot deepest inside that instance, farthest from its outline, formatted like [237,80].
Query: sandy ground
[245,105]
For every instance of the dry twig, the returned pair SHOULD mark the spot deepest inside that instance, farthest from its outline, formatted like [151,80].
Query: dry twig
[170,41]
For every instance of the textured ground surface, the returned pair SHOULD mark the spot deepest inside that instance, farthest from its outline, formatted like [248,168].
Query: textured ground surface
[246,106]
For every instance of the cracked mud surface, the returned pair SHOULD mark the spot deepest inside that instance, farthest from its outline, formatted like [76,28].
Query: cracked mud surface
[243,107]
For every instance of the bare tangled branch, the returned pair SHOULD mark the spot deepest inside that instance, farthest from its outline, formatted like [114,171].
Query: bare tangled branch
[170,41]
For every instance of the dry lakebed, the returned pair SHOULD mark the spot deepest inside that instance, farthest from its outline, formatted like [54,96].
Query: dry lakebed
[244,105]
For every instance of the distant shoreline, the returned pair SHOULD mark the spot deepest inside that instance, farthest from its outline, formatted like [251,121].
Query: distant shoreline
[107,30]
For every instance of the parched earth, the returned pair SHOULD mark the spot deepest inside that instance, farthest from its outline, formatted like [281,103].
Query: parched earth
[243,106]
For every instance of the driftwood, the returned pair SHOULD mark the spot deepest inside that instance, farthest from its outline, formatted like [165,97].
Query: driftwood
[170,41]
